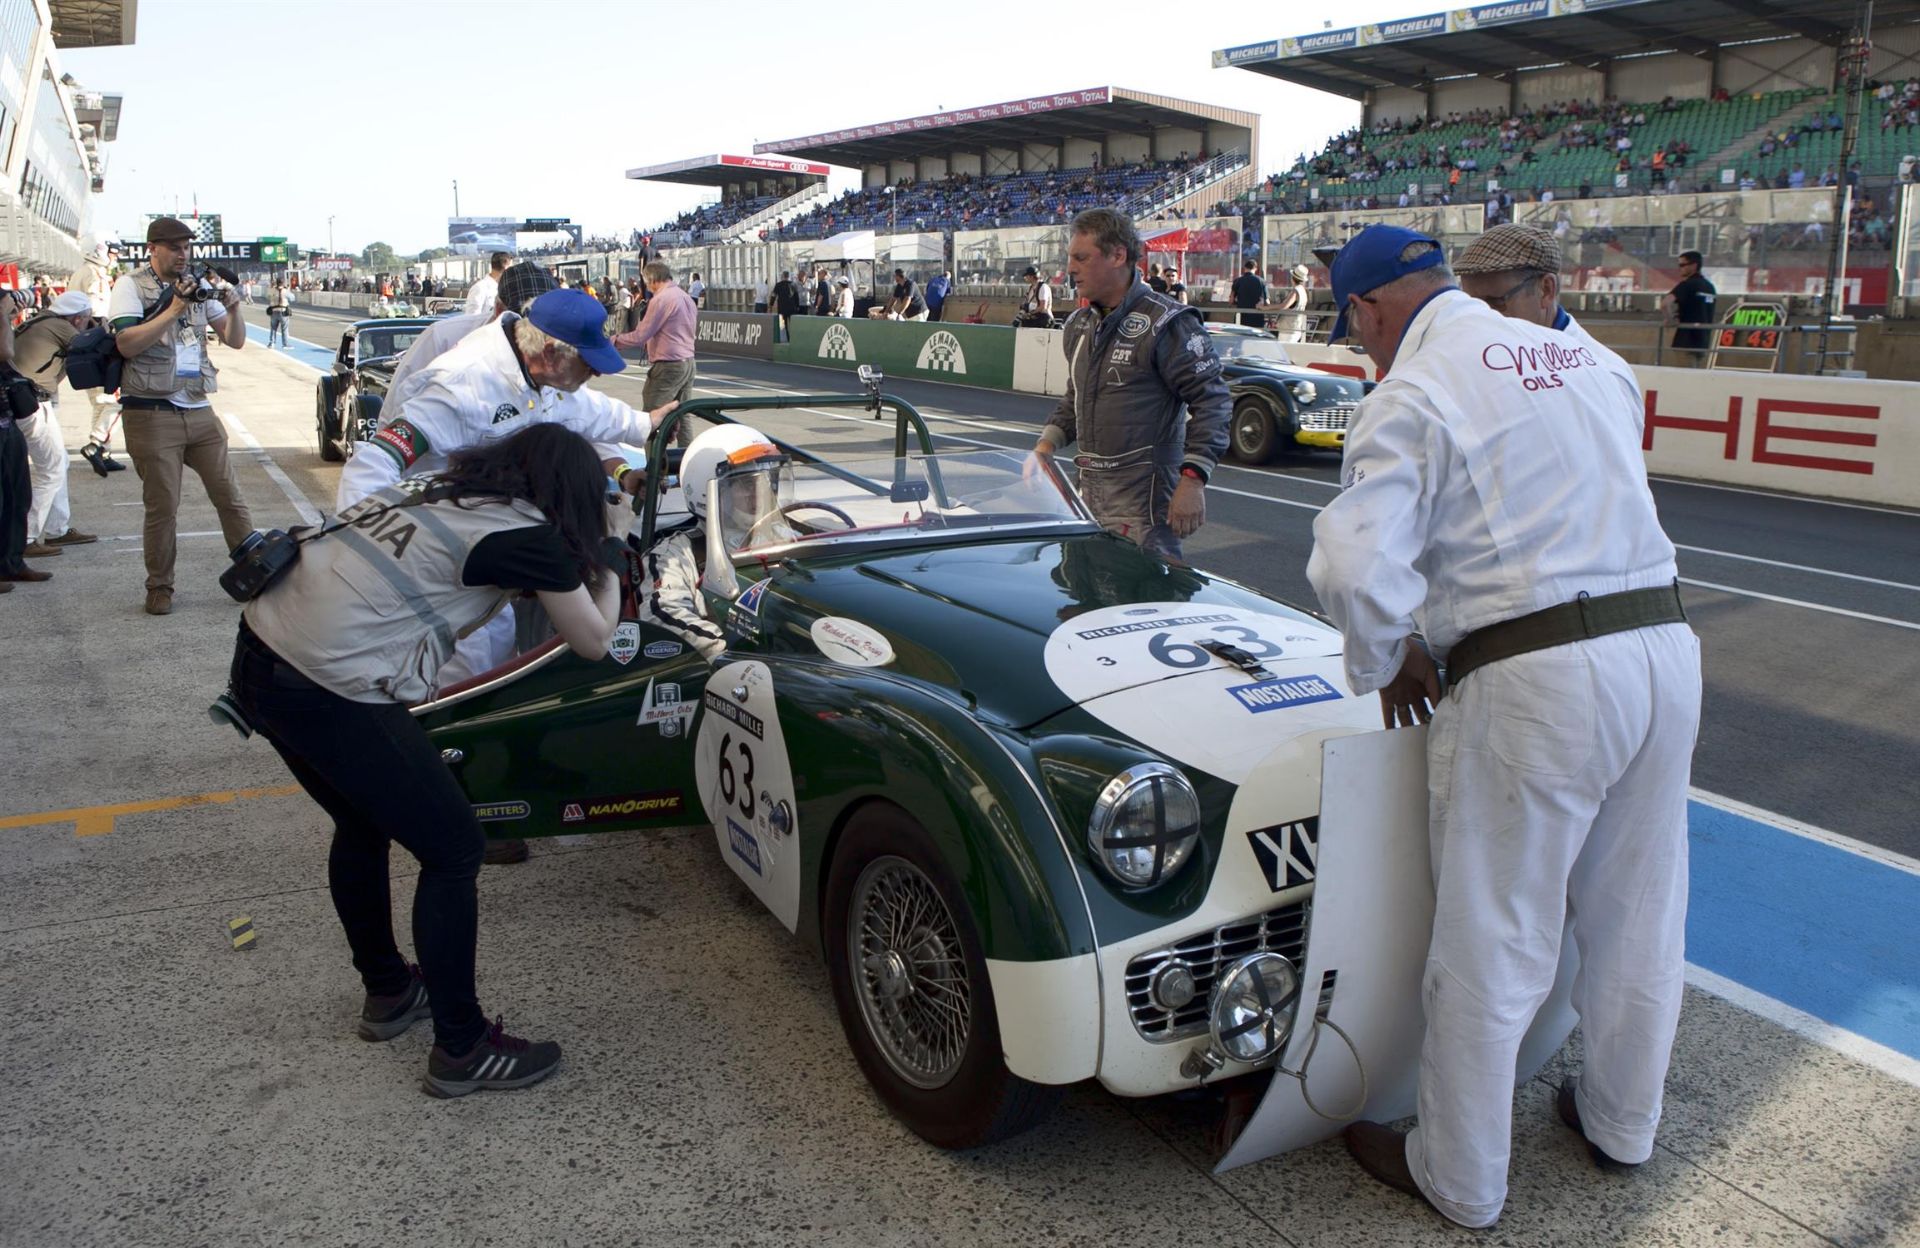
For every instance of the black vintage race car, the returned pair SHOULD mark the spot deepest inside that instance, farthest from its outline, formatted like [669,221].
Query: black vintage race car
[347,400]
[1280,406]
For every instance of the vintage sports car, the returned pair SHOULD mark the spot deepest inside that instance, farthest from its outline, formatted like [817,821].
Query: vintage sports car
[1280,406]
[1051,809]
[347,400]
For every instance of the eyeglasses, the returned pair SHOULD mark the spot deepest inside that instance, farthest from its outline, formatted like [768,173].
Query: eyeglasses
[1499,302]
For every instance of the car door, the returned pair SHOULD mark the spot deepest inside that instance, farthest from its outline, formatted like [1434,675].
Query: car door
[571,745]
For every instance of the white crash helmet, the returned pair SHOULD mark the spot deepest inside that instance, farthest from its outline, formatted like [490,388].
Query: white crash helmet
[722,444]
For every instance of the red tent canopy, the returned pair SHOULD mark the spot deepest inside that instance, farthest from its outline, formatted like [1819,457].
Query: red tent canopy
[1184,240]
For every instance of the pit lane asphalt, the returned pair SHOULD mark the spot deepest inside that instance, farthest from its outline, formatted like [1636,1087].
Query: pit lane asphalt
[1799,716]
[164,1089]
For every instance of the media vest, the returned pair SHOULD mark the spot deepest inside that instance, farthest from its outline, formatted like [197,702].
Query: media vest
[151,374]
[372,610]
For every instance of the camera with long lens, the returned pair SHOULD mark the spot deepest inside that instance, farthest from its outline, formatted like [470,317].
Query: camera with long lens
[201,282]
[258,561]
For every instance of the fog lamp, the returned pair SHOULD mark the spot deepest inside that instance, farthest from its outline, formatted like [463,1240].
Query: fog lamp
[1254,1002]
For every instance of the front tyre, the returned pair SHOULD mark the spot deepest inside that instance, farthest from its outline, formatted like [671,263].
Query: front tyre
[323,417]
[1254,434]
[911,985]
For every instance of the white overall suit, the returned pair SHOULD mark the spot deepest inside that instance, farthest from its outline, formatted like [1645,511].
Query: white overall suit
[1495,472]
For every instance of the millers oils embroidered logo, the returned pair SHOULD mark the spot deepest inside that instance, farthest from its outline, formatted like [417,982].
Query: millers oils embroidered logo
[942,353]
[837,343]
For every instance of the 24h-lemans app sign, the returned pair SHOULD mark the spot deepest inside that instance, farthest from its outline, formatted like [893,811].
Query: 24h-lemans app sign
[974,355]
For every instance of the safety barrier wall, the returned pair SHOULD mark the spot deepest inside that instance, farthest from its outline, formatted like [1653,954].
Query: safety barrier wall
[974,355]
[1830,436]
[736,333]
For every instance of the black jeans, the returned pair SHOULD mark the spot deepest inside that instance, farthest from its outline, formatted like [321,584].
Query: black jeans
[372,767]
[16,493]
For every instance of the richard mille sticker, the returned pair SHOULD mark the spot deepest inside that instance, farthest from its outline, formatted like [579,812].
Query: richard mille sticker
[625,642]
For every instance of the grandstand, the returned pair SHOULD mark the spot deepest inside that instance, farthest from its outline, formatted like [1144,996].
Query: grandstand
[756,192]
[1035,161]
[1527,105]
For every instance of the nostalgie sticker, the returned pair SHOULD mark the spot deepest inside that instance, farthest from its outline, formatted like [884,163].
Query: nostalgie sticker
[851,642]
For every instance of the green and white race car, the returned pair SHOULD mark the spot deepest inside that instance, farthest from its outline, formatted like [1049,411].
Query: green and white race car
[1051,809]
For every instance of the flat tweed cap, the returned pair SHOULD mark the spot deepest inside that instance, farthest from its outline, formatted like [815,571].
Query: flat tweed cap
[1507,247]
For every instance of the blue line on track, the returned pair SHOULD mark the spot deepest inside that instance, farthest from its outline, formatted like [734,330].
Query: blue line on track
[1831,933]
[305,352]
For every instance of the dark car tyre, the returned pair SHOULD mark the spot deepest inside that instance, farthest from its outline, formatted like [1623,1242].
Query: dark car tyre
[1255,431]
[323,419]
[911,985]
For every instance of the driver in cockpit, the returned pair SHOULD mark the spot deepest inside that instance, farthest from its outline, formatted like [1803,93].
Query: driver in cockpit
[739,471]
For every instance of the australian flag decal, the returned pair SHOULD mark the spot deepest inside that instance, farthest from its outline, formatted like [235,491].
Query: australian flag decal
[1287,853]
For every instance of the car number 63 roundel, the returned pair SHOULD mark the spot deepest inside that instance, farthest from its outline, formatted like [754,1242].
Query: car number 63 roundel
[746,783]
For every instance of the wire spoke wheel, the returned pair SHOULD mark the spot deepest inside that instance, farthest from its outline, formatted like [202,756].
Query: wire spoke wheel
[909,972]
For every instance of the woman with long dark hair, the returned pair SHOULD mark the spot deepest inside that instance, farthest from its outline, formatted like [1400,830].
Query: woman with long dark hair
[331,655]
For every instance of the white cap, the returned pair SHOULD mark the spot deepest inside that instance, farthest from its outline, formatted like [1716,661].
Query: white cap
[71,303]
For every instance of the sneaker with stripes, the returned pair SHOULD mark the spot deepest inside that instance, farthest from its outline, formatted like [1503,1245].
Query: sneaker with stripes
[498,1061]
[383,1018]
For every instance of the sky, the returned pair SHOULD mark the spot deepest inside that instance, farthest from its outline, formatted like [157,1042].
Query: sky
[284,115]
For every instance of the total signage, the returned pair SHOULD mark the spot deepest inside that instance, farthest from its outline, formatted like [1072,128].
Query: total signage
[955,117]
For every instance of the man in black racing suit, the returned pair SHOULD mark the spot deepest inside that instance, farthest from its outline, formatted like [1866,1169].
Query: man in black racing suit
[1145,399]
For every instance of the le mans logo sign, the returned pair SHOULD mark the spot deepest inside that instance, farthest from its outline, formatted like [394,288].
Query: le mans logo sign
[837,343]
[942,354]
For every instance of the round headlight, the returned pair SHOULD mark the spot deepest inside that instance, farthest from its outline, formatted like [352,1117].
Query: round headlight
[1145,823]
[1305,391]
[1254,1002]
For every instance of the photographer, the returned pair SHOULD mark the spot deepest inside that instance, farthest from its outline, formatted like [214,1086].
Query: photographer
[160,314]
[326,673]
[40,353]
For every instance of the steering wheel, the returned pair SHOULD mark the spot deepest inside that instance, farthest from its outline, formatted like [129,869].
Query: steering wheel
[786,509]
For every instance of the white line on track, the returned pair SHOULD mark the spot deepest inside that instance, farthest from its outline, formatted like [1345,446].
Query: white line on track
[1885,857]
[1785,497]
[300,504]
[1797,602]
[1868,1052]
[1797,567]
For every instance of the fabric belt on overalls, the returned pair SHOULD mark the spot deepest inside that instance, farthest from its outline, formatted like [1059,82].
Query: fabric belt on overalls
[1583,618]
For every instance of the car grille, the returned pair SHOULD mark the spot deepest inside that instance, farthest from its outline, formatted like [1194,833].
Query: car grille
[1282,931]
[1328,418]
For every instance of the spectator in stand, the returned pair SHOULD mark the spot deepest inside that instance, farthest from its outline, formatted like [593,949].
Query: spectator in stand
[1249,292]
[667,331]
[937,291]
[1690,305]
[481,295]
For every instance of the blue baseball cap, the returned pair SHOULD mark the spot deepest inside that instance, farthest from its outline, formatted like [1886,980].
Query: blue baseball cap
[1371,260]
[577,319]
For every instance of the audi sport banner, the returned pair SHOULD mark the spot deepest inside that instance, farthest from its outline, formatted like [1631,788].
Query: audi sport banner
[735,333]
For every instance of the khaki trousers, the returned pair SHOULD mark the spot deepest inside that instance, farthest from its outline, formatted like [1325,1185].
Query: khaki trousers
[162,441]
